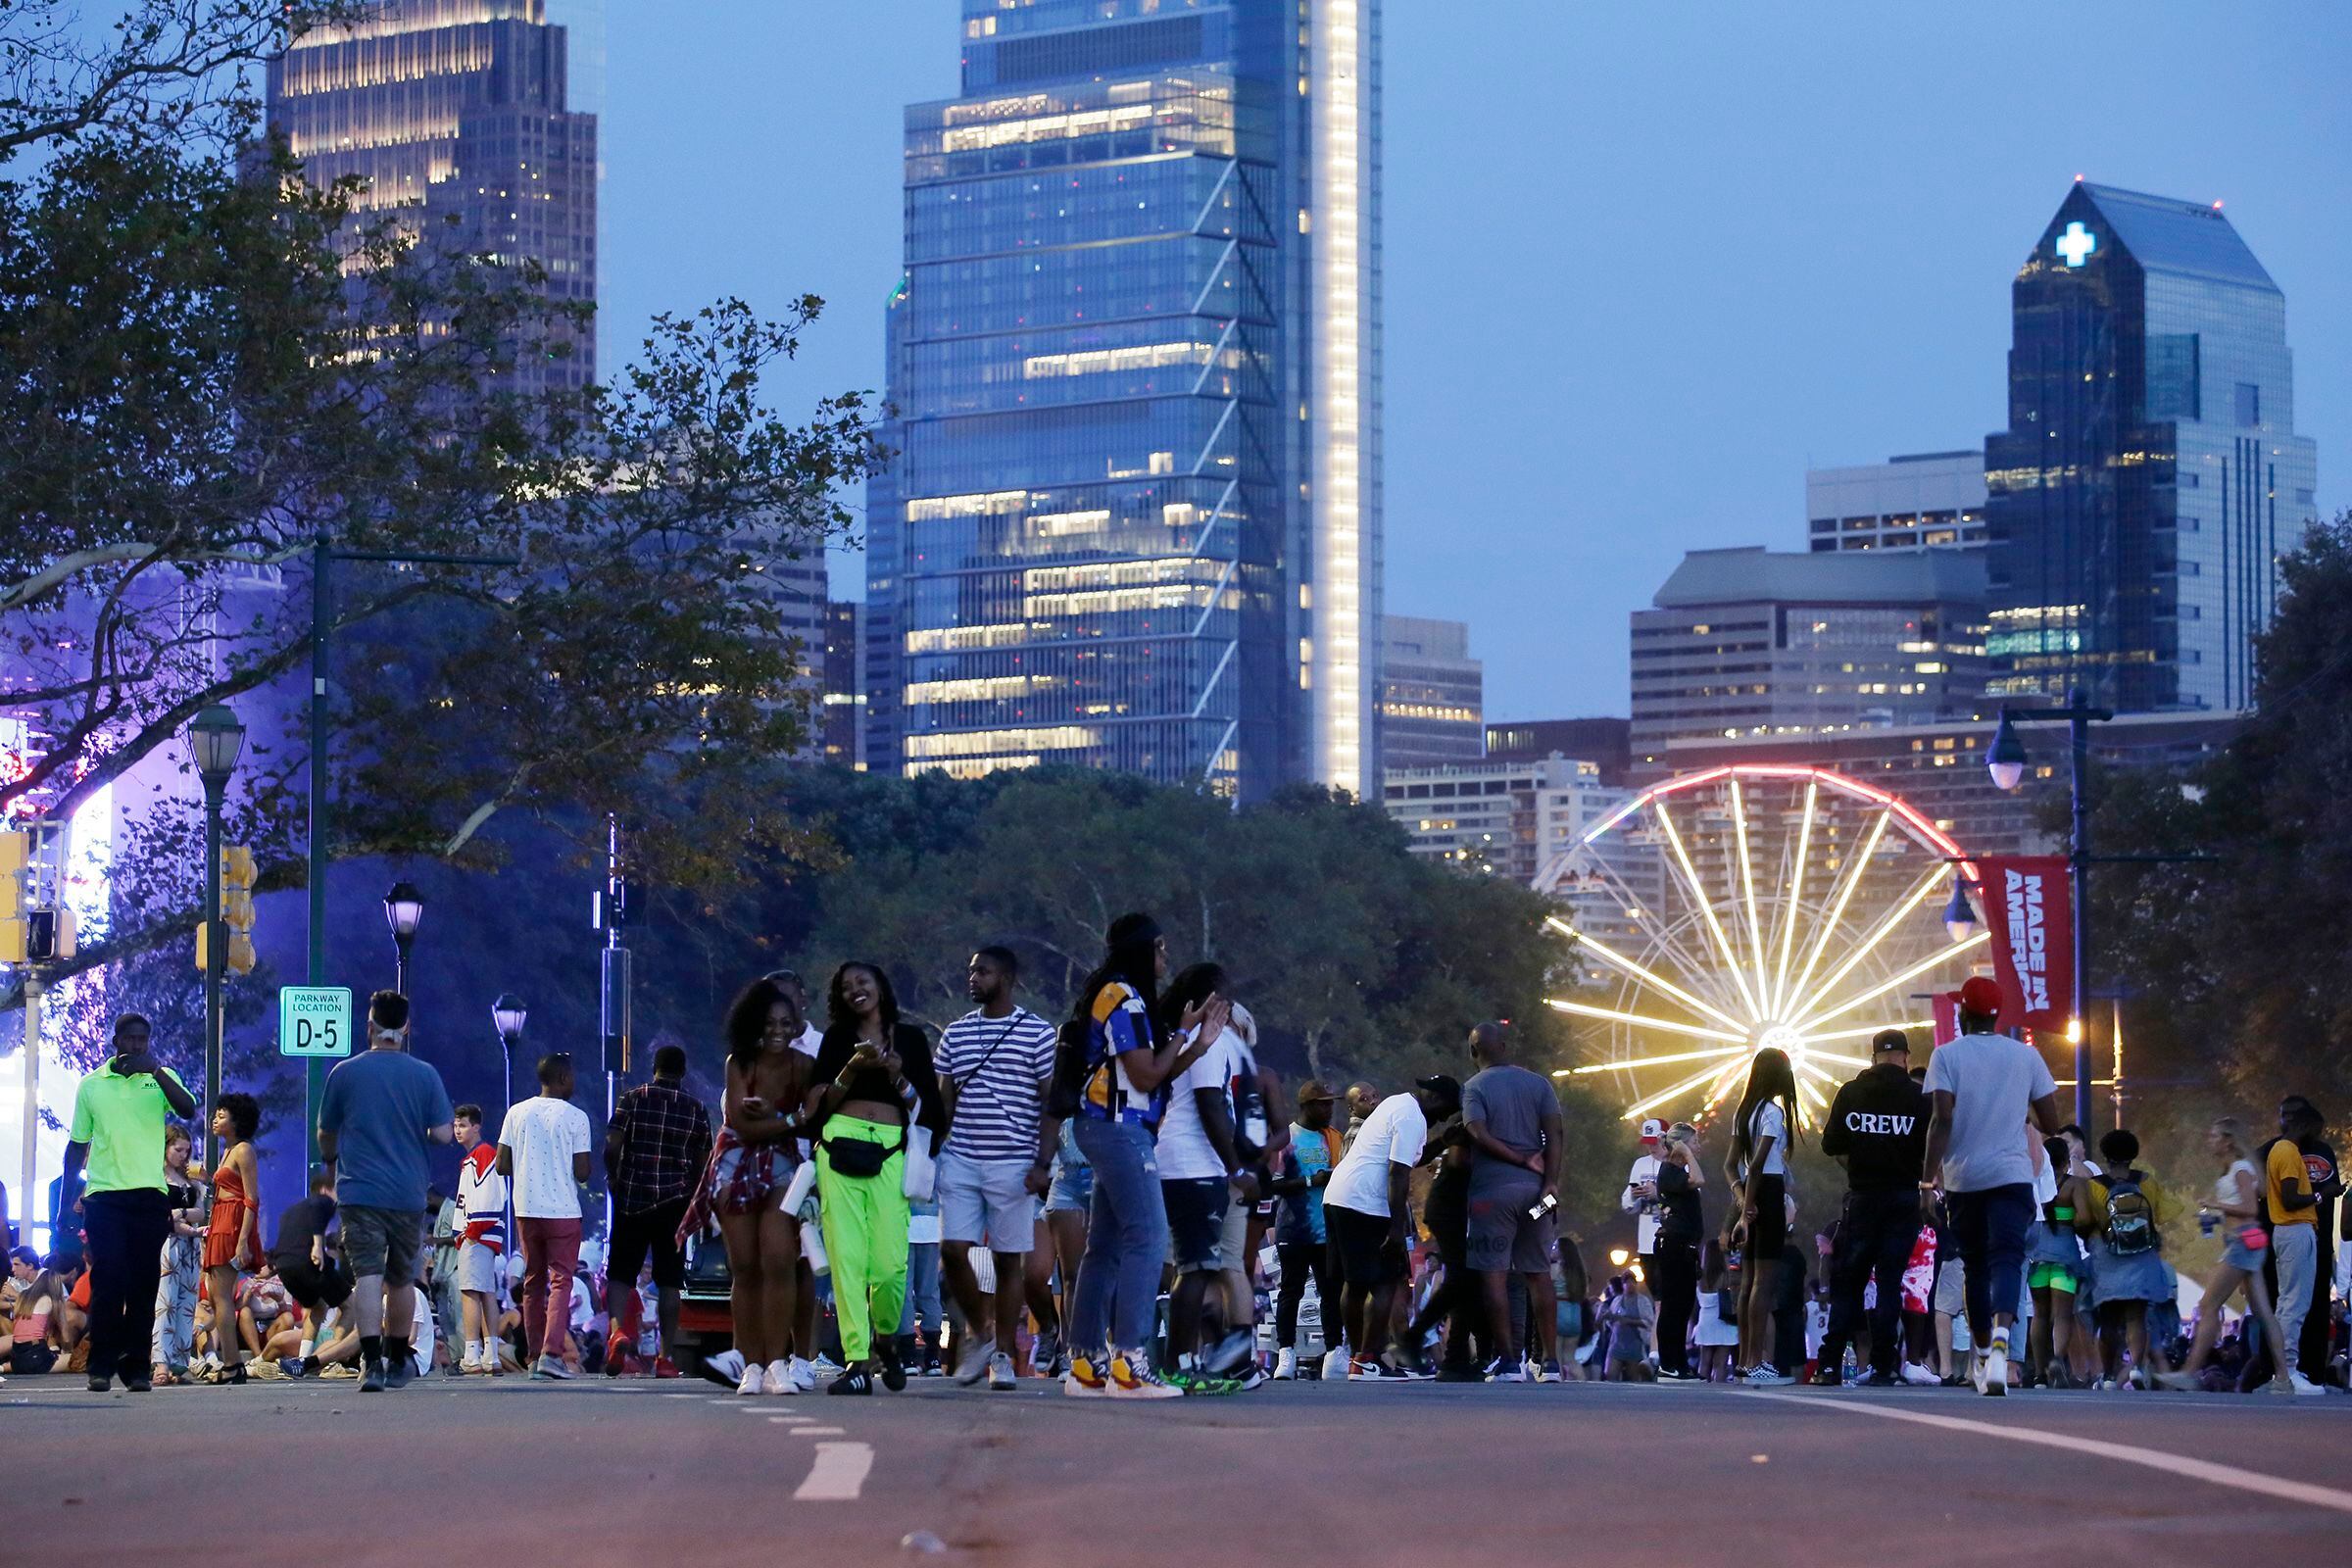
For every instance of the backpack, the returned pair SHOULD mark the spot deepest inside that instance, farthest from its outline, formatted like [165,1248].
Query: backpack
[2130,1227]
[1066,1090]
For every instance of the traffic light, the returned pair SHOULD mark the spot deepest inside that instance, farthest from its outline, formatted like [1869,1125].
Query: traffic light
[237,871]
[16,852]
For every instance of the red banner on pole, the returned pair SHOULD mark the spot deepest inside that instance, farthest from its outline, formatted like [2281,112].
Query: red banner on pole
[1948,1016]
[2029,908]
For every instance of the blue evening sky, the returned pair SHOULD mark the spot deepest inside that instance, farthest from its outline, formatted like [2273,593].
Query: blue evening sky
[1645,261]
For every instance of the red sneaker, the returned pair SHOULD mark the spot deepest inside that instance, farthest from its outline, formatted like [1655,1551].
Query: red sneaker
[665,1367]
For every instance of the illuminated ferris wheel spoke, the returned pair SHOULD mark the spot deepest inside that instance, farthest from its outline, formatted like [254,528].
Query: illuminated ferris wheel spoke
[1587,1010]
[1642,1108]
[1610,955]
[1923,890]
[1852,879]
[1885,986]
[1724,1083]
[1797,897]
[1704,976]
[1811,1037]
[1748,888]
[1706,907]
[1715,1054]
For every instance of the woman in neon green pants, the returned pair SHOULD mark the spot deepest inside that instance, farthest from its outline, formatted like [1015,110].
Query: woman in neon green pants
[875,1087]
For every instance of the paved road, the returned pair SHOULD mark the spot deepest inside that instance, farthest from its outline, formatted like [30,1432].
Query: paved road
[1305,1474]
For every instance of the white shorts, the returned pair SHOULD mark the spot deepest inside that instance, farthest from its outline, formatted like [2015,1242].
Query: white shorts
[477,1269]
[986,1202]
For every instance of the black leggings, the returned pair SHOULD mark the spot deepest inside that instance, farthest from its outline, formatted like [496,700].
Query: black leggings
[1673,1280]
[1298,1259]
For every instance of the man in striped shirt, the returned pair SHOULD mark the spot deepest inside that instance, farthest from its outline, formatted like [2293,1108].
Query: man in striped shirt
[994,1066]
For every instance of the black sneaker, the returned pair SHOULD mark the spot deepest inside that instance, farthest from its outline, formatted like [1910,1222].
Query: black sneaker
[857,1380]
[1418,1367]
[372,1380]
[894,1370]
[100,1382]
[139,1382]
[1677,1375]
[1879,1380]
[1460,1374]
[398,1374]
[1828,1377]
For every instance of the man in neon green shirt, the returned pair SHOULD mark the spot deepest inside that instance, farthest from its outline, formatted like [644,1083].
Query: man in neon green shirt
[119,1115]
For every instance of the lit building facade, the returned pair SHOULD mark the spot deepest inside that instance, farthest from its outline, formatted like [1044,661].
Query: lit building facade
[1433,694]
[1134,518]
[454,114]
[1607,742]
[1922,501]
[1504,819]
[1749,642]
[844,720]
[2150,475]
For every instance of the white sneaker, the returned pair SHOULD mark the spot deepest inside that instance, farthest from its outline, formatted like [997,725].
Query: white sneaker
[1991,1376]
[472,1362]
[778,1380]
[755,1379]
[999,1372]
[2304,1385]
[1921,1377]
[802,1375]
[1286,1365]
[1335,1365]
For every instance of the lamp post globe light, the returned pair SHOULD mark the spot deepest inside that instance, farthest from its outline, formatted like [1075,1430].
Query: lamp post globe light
[404,911]
[1959,915]
[216,739]
[507,1016]
[2007,757]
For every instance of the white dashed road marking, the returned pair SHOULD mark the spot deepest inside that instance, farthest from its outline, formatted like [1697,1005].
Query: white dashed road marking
[2219,1475]
[838,1472]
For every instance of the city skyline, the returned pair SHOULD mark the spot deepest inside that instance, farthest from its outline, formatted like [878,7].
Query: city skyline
[1757,145]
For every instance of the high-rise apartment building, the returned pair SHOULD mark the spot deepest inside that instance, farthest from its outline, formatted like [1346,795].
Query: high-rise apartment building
[2150,475]
[1918,501]
[1134,520]
[454,114]
[1507,818]
[844,717]
[1433,694]
[1605,742]
[1750,643]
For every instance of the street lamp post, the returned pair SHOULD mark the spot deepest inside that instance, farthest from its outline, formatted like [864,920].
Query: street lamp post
[215,739]
[507,1016]
[2007,762]
[404,911]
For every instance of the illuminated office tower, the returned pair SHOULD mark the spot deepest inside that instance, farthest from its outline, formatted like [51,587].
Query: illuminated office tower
[453,112]
[2150,477]
[1134,520]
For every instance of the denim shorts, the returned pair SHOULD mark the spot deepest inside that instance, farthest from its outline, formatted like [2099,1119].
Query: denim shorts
[1073,1188]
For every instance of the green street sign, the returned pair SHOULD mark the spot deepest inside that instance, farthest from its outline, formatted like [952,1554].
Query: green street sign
[314,1020]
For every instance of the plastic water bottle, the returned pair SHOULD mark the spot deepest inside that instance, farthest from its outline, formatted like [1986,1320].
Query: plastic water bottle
[1846,1367]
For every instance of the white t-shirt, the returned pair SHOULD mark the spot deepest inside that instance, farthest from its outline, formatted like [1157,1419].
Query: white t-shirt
[1392,1135]
[1645,1228]
[1185,1152]
[812,1041]
[1769,1121]
[1993,1081]
[544,1134]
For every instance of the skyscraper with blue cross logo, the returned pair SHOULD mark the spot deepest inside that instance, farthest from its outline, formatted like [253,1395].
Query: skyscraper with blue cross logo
[2150,477]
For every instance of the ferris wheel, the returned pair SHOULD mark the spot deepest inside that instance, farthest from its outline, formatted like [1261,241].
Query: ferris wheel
[1754,905]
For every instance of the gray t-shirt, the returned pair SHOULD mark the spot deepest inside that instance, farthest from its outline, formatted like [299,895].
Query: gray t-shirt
[379,1104]
[1512,1102]
[1993,1081]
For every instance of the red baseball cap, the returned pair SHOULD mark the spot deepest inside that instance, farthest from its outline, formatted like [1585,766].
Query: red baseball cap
[1980,996]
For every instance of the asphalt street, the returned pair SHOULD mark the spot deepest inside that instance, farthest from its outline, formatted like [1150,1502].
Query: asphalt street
[599,1472]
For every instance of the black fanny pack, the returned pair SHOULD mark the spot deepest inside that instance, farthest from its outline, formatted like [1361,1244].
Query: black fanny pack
[859,1156]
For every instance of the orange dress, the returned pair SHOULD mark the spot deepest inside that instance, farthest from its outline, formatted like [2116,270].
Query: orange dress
[230,1205]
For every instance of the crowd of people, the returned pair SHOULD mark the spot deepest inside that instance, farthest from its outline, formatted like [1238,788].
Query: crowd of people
[1115,1203]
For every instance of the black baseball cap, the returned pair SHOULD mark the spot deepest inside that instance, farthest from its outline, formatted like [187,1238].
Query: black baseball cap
[1446,1090]
[1886,1040]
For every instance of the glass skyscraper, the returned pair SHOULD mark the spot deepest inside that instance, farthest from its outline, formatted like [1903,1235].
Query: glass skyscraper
[1133,521]
[454,114]
[2150,475]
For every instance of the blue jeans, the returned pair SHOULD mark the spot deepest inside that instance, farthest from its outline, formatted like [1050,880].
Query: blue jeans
[1126,1240]
[923,1291]
[1989,1231]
